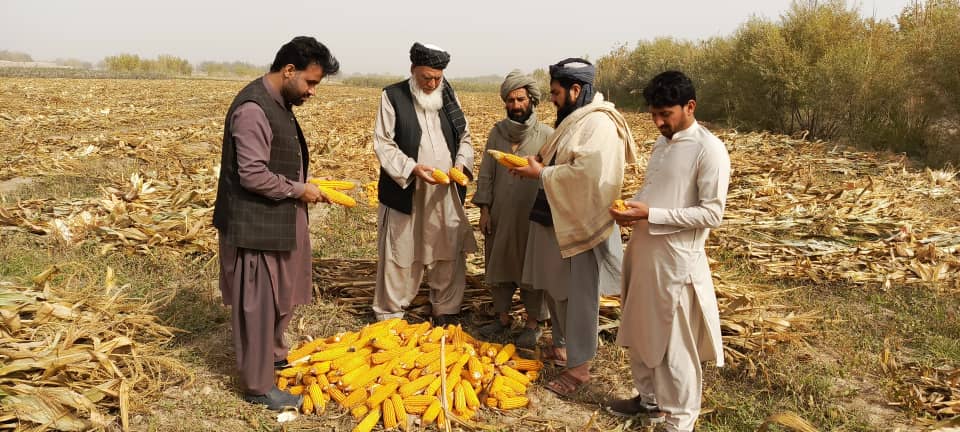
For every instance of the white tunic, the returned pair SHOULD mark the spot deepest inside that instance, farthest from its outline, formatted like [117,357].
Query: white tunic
[686,189]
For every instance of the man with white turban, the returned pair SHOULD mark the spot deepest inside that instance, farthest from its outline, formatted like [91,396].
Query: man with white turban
[505,202]
[421,223]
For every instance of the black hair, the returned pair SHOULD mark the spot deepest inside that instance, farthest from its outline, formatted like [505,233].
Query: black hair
[303,51]
[668,89]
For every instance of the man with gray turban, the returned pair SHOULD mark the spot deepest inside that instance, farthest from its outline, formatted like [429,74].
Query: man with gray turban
[505,203]
[420,222]
[574,251]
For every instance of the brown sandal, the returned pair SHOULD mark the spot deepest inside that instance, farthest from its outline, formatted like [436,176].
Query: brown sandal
[550,355]
[566,384]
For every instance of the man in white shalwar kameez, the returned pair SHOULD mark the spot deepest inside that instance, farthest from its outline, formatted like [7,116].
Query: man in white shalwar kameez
[670,321]
[421,224]
[574,252]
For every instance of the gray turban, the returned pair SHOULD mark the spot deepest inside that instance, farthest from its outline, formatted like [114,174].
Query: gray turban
[516,79]
[429,55]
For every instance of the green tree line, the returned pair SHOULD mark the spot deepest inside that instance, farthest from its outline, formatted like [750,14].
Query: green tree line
[820,71]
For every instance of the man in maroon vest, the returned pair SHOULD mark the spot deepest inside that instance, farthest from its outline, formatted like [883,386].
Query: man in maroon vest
[261,214]
[420,223]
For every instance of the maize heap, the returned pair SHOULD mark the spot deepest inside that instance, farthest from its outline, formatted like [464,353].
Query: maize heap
[393,370]
[619,205]
[508,160]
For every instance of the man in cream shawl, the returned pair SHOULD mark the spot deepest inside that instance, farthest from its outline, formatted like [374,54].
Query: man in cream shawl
[574,252]
[505,202]
[670,321]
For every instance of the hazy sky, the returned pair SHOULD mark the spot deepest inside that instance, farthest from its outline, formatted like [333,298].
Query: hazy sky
[483,37]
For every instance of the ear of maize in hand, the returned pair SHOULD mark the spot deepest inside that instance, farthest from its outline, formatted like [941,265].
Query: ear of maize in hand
[337,197]
[619,205]
[508,160]
[333,184]
[440,176]
[458,176]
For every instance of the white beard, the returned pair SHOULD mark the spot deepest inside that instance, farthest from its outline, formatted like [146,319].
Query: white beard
[430,103]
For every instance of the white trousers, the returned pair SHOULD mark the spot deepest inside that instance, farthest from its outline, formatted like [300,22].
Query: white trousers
[676,384]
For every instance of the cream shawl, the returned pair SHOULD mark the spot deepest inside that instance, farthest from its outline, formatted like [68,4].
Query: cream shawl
[592,146]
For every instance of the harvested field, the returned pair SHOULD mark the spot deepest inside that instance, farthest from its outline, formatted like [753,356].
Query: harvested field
[824,260]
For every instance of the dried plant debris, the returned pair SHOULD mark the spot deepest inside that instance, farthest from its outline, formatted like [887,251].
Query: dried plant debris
[750,323]
[79,359]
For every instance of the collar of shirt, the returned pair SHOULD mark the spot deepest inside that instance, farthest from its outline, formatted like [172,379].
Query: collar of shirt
[274,93]
[686,133]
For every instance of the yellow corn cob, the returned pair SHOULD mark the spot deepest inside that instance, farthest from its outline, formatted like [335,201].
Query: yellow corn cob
[619,205]
[508,160]
[416,385]
[350,361]
[320,368]
[307,406]
[475,368]
[322,382]
[386,342]
[337,197]
[470,396]
[515,385]
[427,358]
[308,379]
[415,373]
[370,189]
[514,402]
[408,357]
[435,335]
[381,394]
[331,354]
[440,419]
[368,422]
[432,412]
[433,387]
[418,400]
[440,176]
[532,375]
[389,417]
[458,176]
[524,365]
[359,411]
[316,396]
[282,383]
[510,372]
[459,398]
[492,350]
[333,184]
[291,372]
[504,354]
[399,411]
[353,376]
[337,395]
[296,390]
[492,402]
[305,350]
[387,379]
[504,393]
[497,384]
[427,347]
[415,409]
[368,377]
[355,398]
[381,357]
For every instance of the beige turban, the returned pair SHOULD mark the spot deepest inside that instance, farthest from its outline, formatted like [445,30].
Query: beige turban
[516,79]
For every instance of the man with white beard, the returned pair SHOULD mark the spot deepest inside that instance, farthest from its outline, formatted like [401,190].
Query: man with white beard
[420,222]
